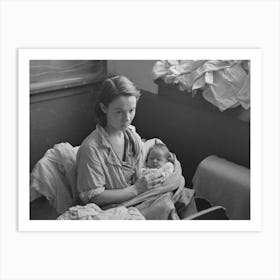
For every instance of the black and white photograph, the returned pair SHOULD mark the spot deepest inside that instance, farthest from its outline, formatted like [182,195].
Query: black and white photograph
[128,139]
[139,140]
[103,149]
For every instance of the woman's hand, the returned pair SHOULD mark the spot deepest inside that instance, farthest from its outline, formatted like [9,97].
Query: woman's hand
[148,182]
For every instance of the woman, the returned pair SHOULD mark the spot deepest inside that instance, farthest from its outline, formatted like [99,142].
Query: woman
[109,158]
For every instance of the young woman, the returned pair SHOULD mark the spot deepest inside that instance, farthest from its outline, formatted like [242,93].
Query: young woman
[109,158]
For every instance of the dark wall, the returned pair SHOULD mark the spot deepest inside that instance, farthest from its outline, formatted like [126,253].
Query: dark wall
[192,132]
[64,115]
[62,97]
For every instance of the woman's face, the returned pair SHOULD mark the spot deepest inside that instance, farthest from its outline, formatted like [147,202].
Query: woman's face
[120,112]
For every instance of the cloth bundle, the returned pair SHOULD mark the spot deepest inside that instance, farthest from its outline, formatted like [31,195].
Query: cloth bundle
[224,83]
[93,212]
[54,177]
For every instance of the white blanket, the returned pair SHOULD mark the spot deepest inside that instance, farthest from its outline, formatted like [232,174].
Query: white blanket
[54,176]
[91,211]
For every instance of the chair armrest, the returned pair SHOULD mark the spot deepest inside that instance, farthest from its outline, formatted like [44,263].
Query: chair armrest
[224,183]
[212,213]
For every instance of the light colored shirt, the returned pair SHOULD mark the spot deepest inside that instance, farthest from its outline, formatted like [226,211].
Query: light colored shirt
[99,167]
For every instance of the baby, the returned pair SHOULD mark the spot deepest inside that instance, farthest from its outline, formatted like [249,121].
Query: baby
[158,161]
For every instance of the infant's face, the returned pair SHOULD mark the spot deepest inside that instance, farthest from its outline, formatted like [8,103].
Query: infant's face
[156,159]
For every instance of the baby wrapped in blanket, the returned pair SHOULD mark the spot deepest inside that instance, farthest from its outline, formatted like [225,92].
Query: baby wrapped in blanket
[159,161]
[170,199]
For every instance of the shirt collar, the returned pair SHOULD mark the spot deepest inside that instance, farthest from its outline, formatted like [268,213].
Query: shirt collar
[104,138]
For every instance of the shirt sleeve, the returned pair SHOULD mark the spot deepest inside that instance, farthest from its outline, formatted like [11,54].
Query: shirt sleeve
[90,177]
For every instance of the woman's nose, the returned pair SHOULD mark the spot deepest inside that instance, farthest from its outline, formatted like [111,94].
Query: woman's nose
[126,117]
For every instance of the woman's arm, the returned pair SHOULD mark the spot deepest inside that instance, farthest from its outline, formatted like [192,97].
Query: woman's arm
[116,196]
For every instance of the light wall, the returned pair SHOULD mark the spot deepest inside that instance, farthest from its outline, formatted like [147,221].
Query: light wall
[139,71]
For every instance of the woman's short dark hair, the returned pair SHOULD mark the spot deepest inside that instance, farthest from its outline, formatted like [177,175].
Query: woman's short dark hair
[112,88]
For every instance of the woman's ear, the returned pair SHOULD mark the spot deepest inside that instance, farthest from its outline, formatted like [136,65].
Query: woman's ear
[103,108]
